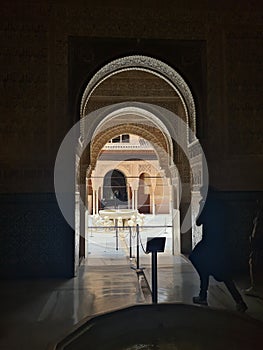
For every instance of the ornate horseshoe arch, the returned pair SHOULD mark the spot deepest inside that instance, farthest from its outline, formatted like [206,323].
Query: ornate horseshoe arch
[150,65]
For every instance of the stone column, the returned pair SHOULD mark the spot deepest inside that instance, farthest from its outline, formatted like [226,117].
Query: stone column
[152,192]
[136,199]
[174,185]
[134,186]
[97,201]
[96,184]
[153,202]
[171,198]
[93,201]
[128,196]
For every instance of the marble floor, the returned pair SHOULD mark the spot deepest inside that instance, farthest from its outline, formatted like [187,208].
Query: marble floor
[37,313]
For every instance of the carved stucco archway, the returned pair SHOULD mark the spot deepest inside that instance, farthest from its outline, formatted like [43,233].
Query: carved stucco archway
[151,134]
[164,72]
[150,65]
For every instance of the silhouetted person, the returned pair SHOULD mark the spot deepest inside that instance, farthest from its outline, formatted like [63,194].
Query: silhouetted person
[256,253]
[210,256]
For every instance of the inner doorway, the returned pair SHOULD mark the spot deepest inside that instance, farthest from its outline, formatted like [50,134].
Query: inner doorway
[114,190]
[162,80]
[144,194]
[129,176]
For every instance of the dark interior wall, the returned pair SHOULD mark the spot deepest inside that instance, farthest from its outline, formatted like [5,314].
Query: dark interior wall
[40,96]
[35,240]
[241,208]
[87,55]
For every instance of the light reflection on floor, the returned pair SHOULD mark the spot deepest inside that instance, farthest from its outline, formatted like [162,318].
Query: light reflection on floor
[38,312]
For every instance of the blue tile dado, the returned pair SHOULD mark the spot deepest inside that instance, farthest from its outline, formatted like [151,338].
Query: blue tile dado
[35,239]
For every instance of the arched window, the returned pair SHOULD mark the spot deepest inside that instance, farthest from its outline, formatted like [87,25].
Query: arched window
[144,194]
[115,189]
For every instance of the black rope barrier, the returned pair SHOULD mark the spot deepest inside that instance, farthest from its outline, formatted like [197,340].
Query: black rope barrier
[113,226]
[144,250]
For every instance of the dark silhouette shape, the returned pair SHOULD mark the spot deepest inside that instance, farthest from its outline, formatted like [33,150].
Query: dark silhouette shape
[115,189]
[256,253]
[210,256]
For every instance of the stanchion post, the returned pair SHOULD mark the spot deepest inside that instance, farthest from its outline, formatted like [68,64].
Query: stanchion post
[130,231]
[117,245]
[154,277]
[138,247]
[137,268]
[155,245]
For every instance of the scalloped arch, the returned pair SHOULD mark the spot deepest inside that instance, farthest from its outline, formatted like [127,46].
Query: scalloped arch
[147,64]
[154,135]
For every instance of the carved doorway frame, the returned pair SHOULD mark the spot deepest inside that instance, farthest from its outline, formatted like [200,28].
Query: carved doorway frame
[155,67]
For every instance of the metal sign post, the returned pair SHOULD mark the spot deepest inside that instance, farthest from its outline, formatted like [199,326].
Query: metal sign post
[155,245]
[138,248]
[137,268]
[117,243]
[130,233]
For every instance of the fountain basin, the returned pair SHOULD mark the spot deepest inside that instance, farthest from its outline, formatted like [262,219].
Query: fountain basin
[116,213]
[166,326]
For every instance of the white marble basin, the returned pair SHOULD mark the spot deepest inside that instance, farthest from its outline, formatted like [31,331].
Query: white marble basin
[116,213]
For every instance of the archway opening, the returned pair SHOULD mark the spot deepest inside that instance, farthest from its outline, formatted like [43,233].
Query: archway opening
[114,190]
[127,186]
[144,193]
[147,81]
